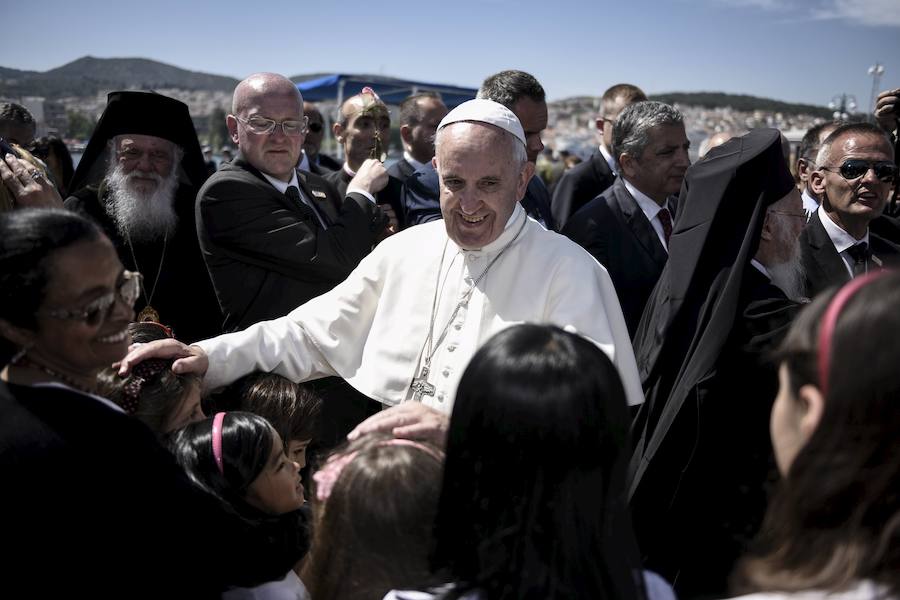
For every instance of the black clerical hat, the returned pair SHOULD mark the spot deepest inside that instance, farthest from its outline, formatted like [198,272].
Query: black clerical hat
[142,113]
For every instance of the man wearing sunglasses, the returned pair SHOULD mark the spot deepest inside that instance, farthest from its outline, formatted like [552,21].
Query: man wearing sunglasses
[854,177]
[313,160]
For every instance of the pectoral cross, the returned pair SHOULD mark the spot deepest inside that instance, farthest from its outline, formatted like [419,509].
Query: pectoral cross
[420,386]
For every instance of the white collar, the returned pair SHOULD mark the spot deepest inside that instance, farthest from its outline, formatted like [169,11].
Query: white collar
[647,204]
[810,202]
[840,238]
[416,165]
[761,268]
[304,162]
[349,171]
[607,155]
[280,185]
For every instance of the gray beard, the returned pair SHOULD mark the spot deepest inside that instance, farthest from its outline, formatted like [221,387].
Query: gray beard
[138,216]
[790,276]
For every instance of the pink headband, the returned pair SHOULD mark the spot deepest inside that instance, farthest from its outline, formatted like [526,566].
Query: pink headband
[328,475]
[829,322]
[217,441]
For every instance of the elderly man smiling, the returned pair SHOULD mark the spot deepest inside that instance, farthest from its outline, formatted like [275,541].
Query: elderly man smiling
[402,327]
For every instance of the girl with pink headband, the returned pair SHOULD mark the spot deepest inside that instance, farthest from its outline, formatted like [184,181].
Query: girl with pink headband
[833,527]
[239,458]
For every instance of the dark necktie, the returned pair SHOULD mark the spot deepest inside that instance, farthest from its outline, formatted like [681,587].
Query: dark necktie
[860,254]
[294,194]
[665,218]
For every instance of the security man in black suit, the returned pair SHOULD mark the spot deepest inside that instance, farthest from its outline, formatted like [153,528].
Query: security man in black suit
[587,180]
[420,115]
[854,176]
[627,227]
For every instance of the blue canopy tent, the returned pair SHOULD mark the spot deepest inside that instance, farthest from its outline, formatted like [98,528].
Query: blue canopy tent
[390,89]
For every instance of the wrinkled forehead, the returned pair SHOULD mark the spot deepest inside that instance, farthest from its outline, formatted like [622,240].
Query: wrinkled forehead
[143,142]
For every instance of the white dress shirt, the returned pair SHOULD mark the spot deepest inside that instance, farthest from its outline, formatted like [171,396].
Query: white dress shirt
[304,162]
[282,187]
[810,203]
[651,210]
[607,155]
[841,239]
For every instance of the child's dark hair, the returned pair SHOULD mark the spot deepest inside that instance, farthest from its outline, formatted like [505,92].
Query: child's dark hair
[290,407]
[246,447]
[152,392]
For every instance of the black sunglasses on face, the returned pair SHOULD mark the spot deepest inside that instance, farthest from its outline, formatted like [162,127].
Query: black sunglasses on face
[315,127]
[855,168]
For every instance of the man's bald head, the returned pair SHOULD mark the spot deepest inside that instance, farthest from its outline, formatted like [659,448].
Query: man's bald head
[364,123]
[263,84]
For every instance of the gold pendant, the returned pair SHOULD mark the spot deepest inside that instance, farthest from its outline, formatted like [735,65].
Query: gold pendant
[148,314]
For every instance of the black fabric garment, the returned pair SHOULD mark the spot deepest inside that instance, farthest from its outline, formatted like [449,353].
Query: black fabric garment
[702,455]
[183,295]
[391,193]
[401,170]
[93,505]
[614,229]
[578,186]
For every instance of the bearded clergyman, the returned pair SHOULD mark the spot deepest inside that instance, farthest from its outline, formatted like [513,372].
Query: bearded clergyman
[138,179]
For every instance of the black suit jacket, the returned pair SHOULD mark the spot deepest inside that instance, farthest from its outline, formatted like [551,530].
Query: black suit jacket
[822,264]
[401,170]
[614,229]
[391,193]
[266,254]
[579,185]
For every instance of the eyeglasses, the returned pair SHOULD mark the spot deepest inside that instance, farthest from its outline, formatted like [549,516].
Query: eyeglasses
[855,168]
[99,310]
[263,126]
[314,127]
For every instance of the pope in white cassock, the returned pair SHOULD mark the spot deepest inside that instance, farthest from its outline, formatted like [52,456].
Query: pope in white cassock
[405,323]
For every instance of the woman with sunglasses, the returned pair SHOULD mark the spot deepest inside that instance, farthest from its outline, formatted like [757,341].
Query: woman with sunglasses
[89,495]
[833,528]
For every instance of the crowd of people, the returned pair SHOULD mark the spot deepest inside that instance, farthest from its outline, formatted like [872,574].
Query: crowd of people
[297,377]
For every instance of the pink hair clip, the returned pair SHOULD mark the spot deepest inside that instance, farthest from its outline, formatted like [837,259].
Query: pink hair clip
[217,441]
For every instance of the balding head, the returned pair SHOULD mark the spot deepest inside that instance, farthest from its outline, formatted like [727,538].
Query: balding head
[268,97]
[365,123]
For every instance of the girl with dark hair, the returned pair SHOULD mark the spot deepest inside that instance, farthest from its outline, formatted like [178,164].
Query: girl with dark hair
[239,458]
[833,527]
[53,151]
[79,475]
[374,506]
[533,498]
[163,400]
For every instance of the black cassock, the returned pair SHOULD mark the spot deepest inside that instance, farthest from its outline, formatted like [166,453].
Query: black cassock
[703,460]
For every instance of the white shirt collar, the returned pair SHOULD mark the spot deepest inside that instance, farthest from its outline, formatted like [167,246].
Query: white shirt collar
[810,202]
[761,268]
[416,165]
[282,186]
[648,205]
[840,238]
[609,159]
[349,171]
[304,162]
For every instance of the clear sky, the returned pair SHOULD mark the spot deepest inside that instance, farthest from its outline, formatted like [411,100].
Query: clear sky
[794,50]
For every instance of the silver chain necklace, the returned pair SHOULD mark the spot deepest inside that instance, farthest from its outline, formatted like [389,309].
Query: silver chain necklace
[420,385]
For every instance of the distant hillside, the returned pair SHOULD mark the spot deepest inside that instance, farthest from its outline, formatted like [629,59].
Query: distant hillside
[741,102]
[88,75]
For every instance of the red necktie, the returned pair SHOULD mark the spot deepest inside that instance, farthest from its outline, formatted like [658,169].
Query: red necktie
[666,220]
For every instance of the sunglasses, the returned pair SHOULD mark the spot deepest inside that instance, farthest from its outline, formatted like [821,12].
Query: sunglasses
[315,127]
[96,312]
[855,168]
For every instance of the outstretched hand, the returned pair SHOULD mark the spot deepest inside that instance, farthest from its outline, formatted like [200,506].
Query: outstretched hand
[411,420]
[27,184]
[190,359]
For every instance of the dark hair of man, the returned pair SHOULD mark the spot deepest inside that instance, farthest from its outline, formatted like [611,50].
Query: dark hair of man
[10,111]
[43,147]
[373,533]
[290,407]
[836,518]
[860,129]
[628,93]
[632,127]
[809,145]
[246,447]
[533,496]
[29,238]
[411,108]
[160,395]
[508,87]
